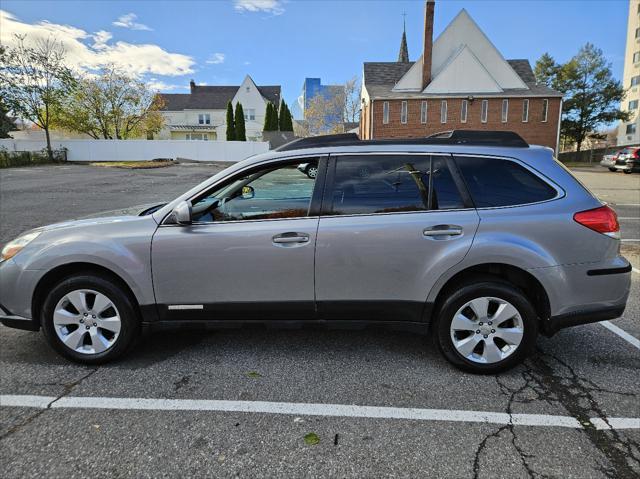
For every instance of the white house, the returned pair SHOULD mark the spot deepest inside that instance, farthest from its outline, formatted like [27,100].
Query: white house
[201,113]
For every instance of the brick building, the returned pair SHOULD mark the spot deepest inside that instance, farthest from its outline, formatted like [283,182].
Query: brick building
[465,83]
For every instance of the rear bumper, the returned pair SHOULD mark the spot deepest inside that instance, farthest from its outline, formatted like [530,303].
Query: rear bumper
[576,318]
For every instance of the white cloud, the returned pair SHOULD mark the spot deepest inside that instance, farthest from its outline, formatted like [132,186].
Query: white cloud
[247,63]
[159,85]
[128,21]
[91,51]
[274,7]
[216,59]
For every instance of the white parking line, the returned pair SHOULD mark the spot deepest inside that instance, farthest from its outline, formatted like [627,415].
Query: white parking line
[310,409]
[635,270]
[630,240]
[632,340]
[628,218]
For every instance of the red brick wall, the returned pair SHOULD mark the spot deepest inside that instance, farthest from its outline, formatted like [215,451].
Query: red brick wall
[535,131]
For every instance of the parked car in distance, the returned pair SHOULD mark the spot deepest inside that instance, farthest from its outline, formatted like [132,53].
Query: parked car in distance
[477,238]
[628,160]
[609,161]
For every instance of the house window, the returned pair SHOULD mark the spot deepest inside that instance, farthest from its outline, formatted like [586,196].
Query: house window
[636,57]
[204,119]
[250,114]
[525,110]
[633,104]
[631,129]
[463,111]
[637,32]
[505,110]
[635,80]
[484,111]
[247,89]
[385,112]
[197,136]
[545,109]
[443,111]
[403,112]
[423,112]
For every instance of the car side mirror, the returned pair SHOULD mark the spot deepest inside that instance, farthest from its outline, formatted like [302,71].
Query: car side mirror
[182,213]
[248,192]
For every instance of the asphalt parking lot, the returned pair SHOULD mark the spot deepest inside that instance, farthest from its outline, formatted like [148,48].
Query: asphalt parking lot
[369,403]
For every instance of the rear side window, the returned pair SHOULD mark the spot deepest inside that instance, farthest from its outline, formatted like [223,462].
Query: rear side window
[495,182]
[392,184]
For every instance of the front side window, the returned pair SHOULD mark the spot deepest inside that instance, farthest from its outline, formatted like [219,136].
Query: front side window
[423,112]
[463,111]
[385,112]
[270,193]
[443,111]
[495,182]
[403,112]
[204,119]
[505,110]
[392,184]
[484,111]
[525,110]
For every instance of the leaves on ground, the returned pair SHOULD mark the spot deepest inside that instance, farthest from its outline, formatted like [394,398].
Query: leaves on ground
[311,439]
[254,374]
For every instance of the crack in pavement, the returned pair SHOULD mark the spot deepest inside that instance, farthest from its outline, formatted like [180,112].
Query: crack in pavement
[68,389]
[552,380]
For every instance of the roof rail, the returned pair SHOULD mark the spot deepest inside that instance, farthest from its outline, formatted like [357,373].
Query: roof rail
[451,137]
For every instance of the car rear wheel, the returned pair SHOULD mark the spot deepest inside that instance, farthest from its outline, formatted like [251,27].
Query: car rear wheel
[312,171]
[627,171]
[89,319]
[486,327]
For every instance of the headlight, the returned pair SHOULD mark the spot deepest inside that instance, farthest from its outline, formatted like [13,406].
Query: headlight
[12,248]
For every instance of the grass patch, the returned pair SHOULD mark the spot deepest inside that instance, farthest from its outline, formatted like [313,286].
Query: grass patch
[134,165]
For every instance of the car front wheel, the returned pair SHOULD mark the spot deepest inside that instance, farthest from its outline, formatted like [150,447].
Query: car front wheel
[89,319]
[486,327]
[612,169]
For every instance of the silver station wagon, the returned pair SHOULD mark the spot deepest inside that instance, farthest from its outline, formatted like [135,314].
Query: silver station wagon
[476,238]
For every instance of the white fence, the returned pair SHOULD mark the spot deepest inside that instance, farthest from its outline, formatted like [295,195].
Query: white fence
[142,150]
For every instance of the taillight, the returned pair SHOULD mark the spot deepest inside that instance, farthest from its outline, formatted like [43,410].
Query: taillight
[636,153]
[603,220]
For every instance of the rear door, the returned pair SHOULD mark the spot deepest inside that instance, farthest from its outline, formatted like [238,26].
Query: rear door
[391,225]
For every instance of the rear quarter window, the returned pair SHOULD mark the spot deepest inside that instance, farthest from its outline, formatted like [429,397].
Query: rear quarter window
[496,182]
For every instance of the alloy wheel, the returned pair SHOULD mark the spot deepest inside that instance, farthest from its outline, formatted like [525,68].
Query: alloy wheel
[487,330]
[87,321]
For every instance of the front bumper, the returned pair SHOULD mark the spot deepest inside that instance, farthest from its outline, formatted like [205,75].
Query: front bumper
[17,322]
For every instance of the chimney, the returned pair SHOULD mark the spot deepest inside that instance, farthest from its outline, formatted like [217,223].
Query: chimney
[192,85]
[427,52]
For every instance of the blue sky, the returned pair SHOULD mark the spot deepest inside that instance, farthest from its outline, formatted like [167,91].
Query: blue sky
[281,42]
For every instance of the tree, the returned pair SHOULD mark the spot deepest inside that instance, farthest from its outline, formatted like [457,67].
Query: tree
[112,105]
[35,81]
[7,123]
[324,114]
[352,100]
[274,118]
[268,117]
[285,120]
[546,70]
[231,126]
[592,95]
[240,128]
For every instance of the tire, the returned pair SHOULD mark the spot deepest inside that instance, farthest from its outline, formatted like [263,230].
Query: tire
[312,171]
[612,169]
[627,172]
[91,338]
[524,323]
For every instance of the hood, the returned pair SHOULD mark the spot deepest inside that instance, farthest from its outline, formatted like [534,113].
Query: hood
[139,210]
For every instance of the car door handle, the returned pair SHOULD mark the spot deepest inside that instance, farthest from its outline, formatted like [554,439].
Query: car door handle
[442,230]
[291,238]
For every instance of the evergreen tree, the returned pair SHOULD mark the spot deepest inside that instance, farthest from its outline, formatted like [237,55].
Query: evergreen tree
[283,114]
[6,122]
[274,119]
[287,124]
[268,117]
[546,70]
[231,126]
[241,134]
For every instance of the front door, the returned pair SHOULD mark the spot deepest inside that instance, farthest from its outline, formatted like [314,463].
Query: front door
[248,254]
[391,226]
